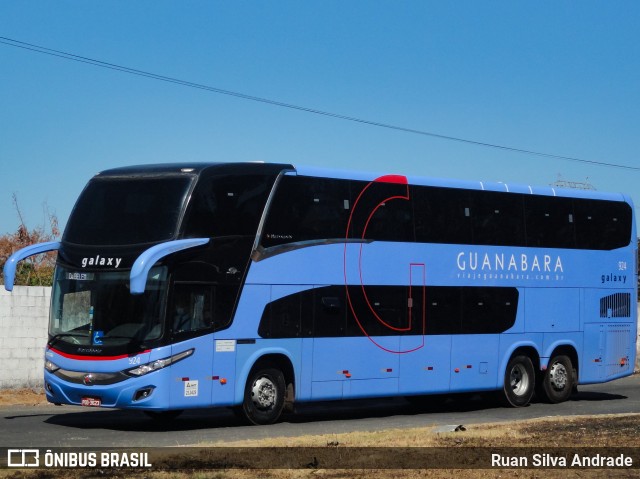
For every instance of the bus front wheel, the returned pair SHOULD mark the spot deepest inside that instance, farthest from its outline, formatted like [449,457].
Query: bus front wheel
[558,380]
[519,381]
[264,395]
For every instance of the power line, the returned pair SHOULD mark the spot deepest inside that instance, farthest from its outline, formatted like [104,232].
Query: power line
[244,96]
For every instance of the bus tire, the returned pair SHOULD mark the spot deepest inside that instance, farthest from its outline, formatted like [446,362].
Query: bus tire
[558,382]
[519,382]
[264,395]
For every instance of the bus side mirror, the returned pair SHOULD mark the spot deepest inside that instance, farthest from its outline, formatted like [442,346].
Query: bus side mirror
[144,262]
[9,269]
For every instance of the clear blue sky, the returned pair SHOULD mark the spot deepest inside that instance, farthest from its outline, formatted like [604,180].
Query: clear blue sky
[550,76]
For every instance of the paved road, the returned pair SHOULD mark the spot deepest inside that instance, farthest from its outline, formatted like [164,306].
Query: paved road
[51,426]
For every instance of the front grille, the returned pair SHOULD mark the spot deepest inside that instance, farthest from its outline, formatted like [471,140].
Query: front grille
[90,379]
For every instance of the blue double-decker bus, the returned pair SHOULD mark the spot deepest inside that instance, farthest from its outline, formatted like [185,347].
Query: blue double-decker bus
[257,286]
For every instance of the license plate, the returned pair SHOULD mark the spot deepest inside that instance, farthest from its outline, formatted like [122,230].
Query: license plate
[91,402]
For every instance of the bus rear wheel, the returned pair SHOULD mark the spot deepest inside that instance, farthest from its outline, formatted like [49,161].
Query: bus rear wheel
[558,381]
[264,395]
[519,382]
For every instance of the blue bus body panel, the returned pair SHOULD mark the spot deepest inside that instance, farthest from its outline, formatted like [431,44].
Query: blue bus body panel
[448,265]
[119,395]
[186,384]
[554,307]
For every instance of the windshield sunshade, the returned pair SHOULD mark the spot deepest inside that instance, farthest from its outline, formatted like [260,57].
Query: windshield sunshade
[124,211]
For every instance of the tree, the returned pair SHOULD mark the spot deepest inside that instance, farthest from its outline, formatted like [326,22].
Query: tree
[36,270]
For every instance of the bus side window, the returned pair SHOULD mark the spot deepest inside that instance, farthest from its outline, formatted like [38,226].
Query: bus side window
[227,205]
[444,310]
[498,218]
[224,298]
[191,308]
[281,318]
[384,210]
[488,310]
[329,312]
[442,215]
[549,222]
[602,225]
[383,312]
[307,209]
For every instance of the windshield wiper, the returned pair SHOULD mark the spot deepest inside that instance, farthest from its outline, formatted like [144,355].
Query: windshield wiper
[59,336]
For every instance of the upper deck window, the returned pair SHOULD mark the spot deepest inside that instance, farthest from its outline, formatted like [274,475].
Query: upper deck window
[308,209]
[227,205]
[123,211]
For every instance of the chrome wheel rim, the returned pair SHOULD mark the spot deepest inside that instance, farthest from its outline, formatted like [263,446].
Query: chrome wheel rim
[558,376]
[519,380]
[263,393]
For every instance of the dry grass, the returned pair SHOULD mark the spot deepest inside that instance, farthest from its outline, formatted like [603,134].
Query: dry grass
[22,397]
[622,430]
[586,431]
[495,434]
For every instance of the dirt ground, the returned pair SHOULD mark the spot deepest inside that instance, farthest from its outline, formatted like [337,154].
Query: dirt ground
[22,397]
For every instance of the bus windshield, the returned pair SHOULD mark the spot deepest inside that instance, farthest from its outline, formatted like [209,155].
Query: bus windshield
[124,211]
[95,308]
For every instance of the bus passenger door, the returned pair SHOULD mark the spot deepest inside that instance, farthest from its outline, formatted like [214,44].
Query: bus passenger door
[190,322]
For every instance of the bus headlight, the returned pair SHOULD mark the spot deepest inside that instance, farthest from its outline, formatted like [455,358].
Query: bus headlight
[158,364]
[51,367]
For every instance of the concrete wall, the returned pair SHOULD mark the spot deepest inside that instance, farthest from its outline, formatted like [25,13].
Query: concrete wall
[23,336]
[24,315]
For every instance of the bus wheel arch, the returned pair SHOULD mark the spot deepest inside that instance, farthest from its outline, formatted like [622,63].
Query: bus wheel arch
[519,382]
[560,378]
[269,389]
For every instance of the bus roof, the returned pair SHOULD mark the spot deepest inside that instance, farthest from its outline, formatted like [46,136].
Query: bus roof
[463,184]
[272,168]
[195,169]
